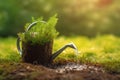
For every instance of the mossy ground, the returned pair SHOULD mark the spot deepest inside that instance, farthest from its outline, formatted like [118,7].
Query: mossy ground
[100,50]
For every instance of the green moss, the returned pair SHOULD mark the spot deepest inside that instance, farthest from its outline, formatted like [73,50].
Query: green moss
[95,50]
[112,66]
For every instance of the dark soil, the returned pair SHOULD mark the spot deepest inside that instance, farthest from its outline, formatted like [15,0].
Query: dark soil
[36,53]
[24,71]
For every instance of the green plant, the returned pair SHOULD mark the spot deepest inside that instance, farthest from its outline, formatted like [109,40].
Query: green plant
[41,33]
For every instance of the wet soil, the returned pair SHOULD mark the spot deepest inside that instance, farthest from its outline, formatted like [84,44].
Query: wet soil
[69,71]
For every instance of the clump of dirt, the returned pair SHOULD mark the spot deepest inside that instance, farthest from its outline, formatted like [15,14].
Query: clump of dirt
[71,71]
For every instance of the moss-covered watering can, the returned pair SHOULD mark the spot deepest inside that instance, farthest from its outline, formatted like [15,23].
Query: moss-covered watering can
[39,54]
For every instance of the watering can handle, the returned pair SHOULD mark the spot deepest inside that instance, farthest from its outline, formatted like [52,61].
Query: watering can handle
[18,39]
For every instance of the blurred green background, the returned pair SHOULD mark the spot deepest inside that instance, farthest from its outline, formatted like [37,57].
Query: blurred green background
[76,17]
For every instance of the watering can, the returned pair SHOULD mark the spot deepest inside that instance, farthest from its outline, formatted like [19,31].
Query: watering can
[43,61]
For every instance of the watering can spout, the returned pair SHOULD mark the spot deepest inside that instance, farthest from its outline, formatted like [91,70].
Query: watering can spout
[71,45]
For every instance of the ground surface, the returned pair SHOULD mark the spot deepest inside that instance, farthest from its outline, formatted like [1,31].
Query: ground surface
[24,71]
[101,50]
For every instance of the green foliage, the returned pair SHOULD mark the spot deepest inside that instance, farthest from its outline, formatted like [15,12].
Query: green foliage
[40,33]
[10,17]
[83,17]
[90,17]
